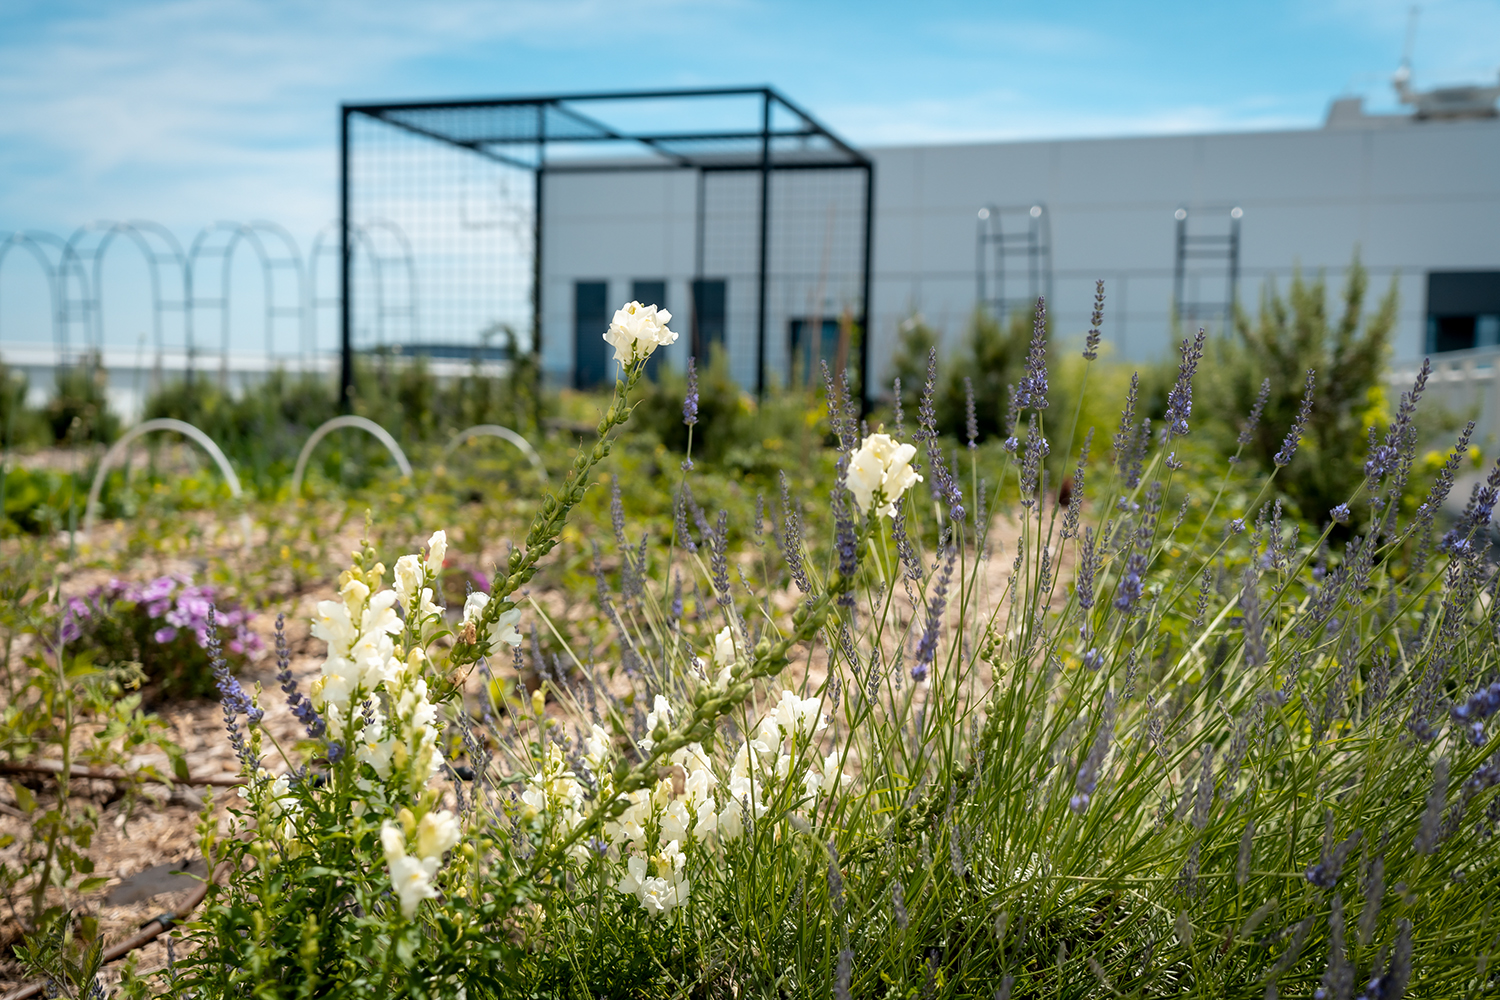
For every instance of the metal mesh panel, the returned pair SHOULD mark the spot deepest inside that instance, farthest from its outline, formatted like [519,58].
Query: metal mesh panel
[442,240]
[443,211]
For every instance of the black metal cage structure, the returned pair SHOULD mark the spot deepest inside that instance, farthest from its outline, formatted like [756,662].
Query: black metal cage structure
[487,192]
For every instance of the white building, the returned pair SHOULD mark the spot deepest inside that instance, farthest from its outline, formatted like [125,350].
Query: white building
[1417,198]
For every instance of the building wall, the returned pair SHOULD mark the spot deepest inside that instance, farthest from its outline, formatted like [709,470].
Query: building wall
[1411,197]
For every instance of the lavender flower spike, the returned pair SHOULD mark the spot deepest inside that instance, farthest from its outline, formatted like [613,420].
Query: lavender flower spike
[972,415]
[1091,342]
[1294,435]
[690,401]
[927,645]
[1180,399]
[1031,394]
[301,707]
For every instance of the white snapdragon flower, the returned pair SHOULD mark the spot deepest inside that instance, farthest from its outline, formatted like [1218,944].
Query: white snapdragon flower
[437,551]
[637,330]
[411,877]
[373,746]
[675,821]
[798,716]
[409,579]
[880,468]
[661,712]
[502,630]
[824,779]
[724,658]
[598,750]
[658,893]
[437,834]
[554,791]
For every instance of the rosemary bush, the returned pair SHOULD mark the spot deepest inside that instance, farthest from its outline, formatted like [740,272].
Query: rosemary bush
[1160,741]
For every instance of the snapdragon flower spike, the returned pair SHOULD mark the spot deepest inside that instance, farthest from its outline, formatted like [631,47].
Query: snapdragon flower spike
[1091,342]
[690,401]
[1032,390]
[1294,434]
[1180,398]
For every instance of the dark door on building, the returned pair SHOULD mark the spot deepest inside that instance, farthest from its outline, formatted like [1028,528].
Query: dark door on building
[651,292]
[591,355]
[710,314]
[1463,310]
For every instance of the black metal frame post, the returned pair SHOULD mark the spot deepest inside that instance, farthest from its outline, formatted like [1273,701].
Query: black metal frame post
[765,230]
[865,333]
[536,235]
[346,258]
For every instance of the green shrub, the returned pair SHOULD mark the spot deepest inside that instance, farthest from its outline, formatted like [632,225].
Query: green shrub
[78,411]
[1289,338]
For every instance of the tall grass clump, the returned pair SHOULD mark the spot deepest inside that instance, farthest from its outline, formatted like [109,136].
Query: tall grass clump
[1155,742]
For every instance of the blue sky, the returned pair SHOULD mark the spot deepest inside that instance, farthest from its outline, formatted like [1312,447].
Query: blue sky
[186,111]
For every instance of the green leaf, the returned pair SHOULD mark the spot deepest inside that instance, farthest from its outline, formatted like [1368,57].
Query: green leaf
[91,884]
[25,801]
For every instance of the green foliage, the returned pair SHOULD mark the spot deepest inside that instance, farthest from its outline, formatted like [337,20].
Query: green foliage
[79,409]
[992,357]
[1166,741]
[1290,337]
[20,423]
[64,705]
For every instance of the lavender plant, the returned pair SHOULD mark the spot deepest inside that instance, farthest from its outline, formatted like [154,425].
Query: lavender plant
[1160,741]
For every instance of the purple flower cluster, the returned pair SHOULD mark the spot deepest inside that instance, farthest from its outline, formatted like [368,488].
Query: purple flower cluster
[172,603]
[1471,714]
[1131,585]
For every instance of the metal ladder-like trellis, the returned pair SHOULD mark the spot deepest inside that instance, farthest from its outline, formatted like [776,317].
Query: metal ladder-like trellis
[1187,306]
[158,248]
[326,245]
[1004,234]
[183,282]
[220,240]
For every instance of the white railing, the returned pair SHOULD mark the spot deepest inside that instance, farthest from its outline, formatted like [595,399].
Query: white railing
[1460,379]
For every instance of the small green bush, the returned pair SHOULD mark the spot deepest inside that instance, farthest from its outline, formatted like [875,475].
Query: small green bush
[79,411]
[1289,338]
